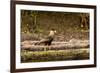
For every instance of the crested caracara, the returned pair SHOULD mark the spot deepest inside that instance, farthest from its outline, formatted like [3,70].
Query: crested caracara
[48,40]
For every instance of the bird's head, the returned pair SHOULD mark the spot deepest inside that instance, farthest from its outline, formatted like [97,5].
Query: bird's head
[52,32]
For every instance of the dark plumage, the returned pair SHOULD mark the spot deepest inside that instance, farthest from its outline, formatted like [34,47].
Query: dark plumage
[48,40]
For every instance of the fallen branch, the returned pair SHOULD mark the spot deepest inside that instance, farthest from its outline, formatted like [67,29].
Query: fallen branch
[55,46]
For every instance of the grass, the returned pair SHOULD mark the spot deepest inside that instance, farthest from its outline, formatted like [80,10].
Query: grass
[45,56]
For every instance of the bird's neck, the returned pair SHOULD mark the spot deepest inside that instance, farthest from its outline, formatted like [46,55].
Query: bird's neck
[51,33]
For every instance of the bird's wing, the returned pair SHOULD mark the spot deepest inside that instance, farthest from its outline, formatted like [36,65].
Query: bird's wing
[46,39]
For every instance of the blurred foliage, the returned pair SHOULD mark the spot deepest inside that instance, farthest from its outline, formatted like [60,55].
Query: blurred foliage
[42,21]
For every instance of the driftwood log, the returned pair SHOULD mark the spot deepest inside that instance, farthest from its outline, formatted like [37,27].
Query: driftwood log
[72,44]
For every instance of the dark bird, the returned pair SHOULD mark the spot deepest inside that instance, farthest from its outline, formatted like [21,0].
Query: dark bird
[48,40]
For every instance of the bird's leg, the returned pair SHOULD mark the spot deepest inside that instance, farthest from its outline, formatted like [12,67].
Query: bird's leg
[45,48]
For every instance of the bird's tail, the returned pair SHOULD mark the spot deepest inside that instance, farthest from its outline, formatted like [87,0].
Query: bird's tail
[38,43]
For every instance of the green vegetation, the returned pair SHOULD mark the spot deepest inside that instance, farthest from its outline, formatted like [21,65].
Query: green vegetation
[45,56]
